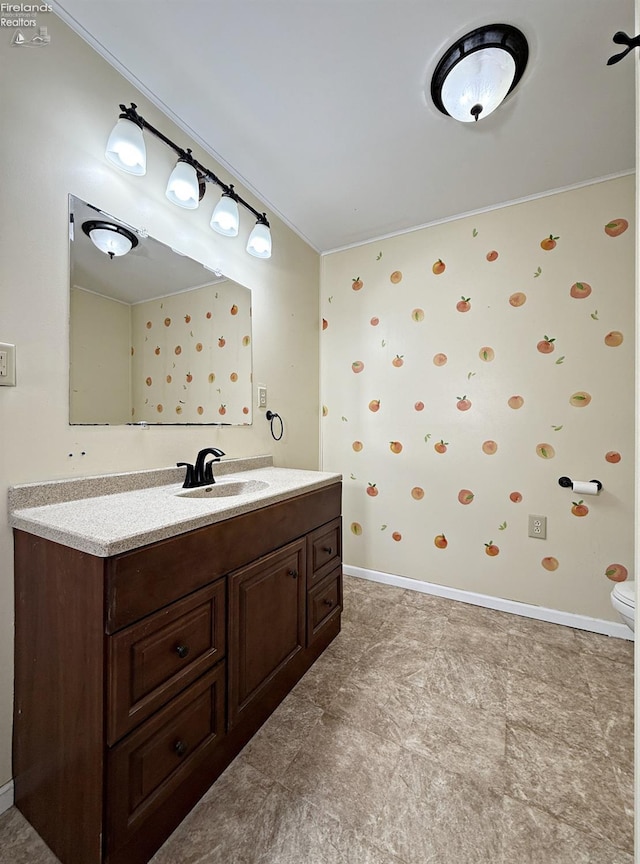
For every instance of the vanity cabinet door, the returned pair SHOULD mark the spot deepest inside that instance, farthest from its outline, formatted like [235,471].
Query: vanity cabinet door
[266,625]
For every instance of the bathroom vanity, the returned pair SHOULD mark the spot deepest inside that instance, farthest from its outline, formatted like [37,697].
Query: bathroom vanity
[146,659]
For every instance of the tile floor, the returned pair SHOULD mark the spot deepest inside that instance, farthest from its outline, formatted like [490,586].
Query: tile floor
[430,732]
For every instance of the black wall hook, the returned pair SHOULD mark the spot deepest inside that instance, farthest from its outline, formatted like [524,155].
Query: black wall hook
[621,38]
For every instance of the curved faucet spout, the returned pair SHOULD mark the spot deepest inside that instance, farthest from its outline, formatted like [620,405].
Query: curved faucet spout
[204,471]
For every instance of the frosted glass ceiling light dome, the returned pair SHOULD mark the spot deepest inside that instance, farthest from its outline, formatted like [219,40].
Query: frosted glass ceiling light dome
[183,187]
[226,219]
[126,148]
[259,242]
[477,73]
[112,239]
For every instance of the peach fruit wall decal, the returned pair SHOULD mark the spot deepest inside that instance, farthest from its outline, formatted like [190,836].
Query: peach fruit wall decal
[616,227]
[550,563]
[616,572]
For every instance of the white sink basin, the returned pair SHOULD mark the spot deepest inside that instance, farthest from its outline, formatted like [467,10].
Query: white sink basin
[224,489]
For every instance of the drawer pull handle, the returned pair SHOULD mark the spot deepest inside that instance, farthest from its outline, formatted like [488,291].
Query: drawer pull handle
[180,748]
[182,651]
[328,550]
[293,573]
[328,602]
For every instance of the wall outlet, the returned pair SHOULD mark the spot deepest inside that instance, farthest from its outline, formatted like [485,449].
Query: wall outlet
[538,527]
[262,396]
[7,365]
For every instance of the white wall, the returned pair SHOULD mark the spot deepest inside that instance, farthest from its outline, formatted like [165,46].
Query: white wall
[100,359]
[60,102]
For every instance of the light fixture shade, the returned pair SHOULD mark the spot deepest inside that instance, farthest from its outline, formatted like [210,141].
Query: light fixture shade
[114,240]
[481,79]
[183,187]
[259,242]
[226,219]
[126,148]
[478,71]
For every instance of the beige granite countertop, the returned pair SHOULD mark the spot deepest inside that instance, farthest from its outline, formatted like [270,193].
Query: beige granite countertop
[109,514]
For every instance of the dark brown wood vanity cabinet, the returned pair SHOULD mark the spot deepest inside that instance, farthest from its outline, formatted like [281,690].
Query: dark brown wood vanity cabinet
[140,677]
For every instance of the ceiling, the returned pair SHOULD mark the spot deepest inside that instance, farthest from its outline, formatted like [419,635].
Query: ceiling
[321,107]
[149,271]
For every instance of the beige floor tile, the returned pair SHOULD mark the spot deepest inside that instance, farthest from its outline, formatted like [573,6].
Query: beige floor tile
[620,650]
[532,836]
[577,786]
[294,831]
[468,680]
[343,770]
[476,639]
[220,828]
[430,814]
[427,602]
[372,700]
[611,684]
[19,843]
[275,744]
[417,625]
[566,715]
[557,665]
[462,738]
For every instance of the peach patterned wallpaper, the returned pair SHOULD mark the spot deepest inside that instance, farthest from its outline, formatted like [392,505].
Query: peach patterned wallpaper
[191,357]
[465,368]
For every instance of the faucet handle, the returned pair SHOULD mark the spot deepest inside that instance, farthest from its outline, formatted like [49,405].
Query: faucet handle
[189,480]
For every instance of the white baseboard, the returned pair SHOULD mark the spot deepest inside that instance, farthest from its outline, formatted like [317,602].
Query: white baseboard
[6,796]
[528,610]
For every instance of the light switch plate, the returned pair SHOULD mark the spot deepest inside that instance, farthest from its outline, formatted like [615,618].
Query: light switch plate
[7,365]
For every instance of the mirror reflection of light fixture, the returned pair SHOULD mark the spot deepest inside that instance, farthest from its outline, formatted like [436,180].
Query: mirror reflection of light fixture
[226,219]
[112,239]
[183,187]
[259,242]
[478,72]
[126,148]
[186,186]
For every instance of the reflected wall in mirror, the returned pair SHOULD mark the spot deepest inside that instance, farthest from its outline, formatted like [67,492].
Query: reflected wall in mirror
[155,336]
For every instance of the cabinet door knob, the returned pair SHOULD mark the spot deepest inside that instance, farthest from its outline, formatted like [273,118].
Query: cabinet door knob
[328,602]
[182,651]
[293,573]
[328,550]
[180,748]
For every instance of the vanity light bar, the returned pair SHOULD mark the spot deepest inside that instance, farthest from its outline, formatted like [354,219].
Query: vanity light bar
[126,150]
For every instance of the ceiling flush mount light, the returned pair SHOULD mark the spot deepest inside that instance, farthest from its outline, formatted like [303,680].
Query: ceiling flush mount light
[112,239]
[186,185]
[478,71]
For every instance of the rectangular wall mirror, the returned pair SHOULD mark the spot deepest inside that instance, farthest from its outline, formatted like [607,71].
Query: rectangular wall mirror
[155,336]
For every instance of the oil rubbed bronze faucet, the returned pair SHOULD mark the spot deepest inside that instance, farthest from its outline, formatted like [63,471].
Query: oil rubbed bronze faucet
[201,474]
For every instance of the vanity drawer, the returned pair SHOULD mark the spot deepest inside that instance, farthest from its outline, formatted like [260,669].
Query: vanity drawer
[153,660]
[324,547]
[147,768]
[323,602]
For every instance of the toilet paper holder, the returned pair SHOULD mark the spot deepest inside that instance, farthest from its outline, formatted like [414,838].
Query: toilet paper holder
[567,483]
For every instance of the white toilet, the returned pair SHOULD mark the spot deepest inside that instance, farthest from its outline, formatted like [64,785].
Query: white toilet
[623,600]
